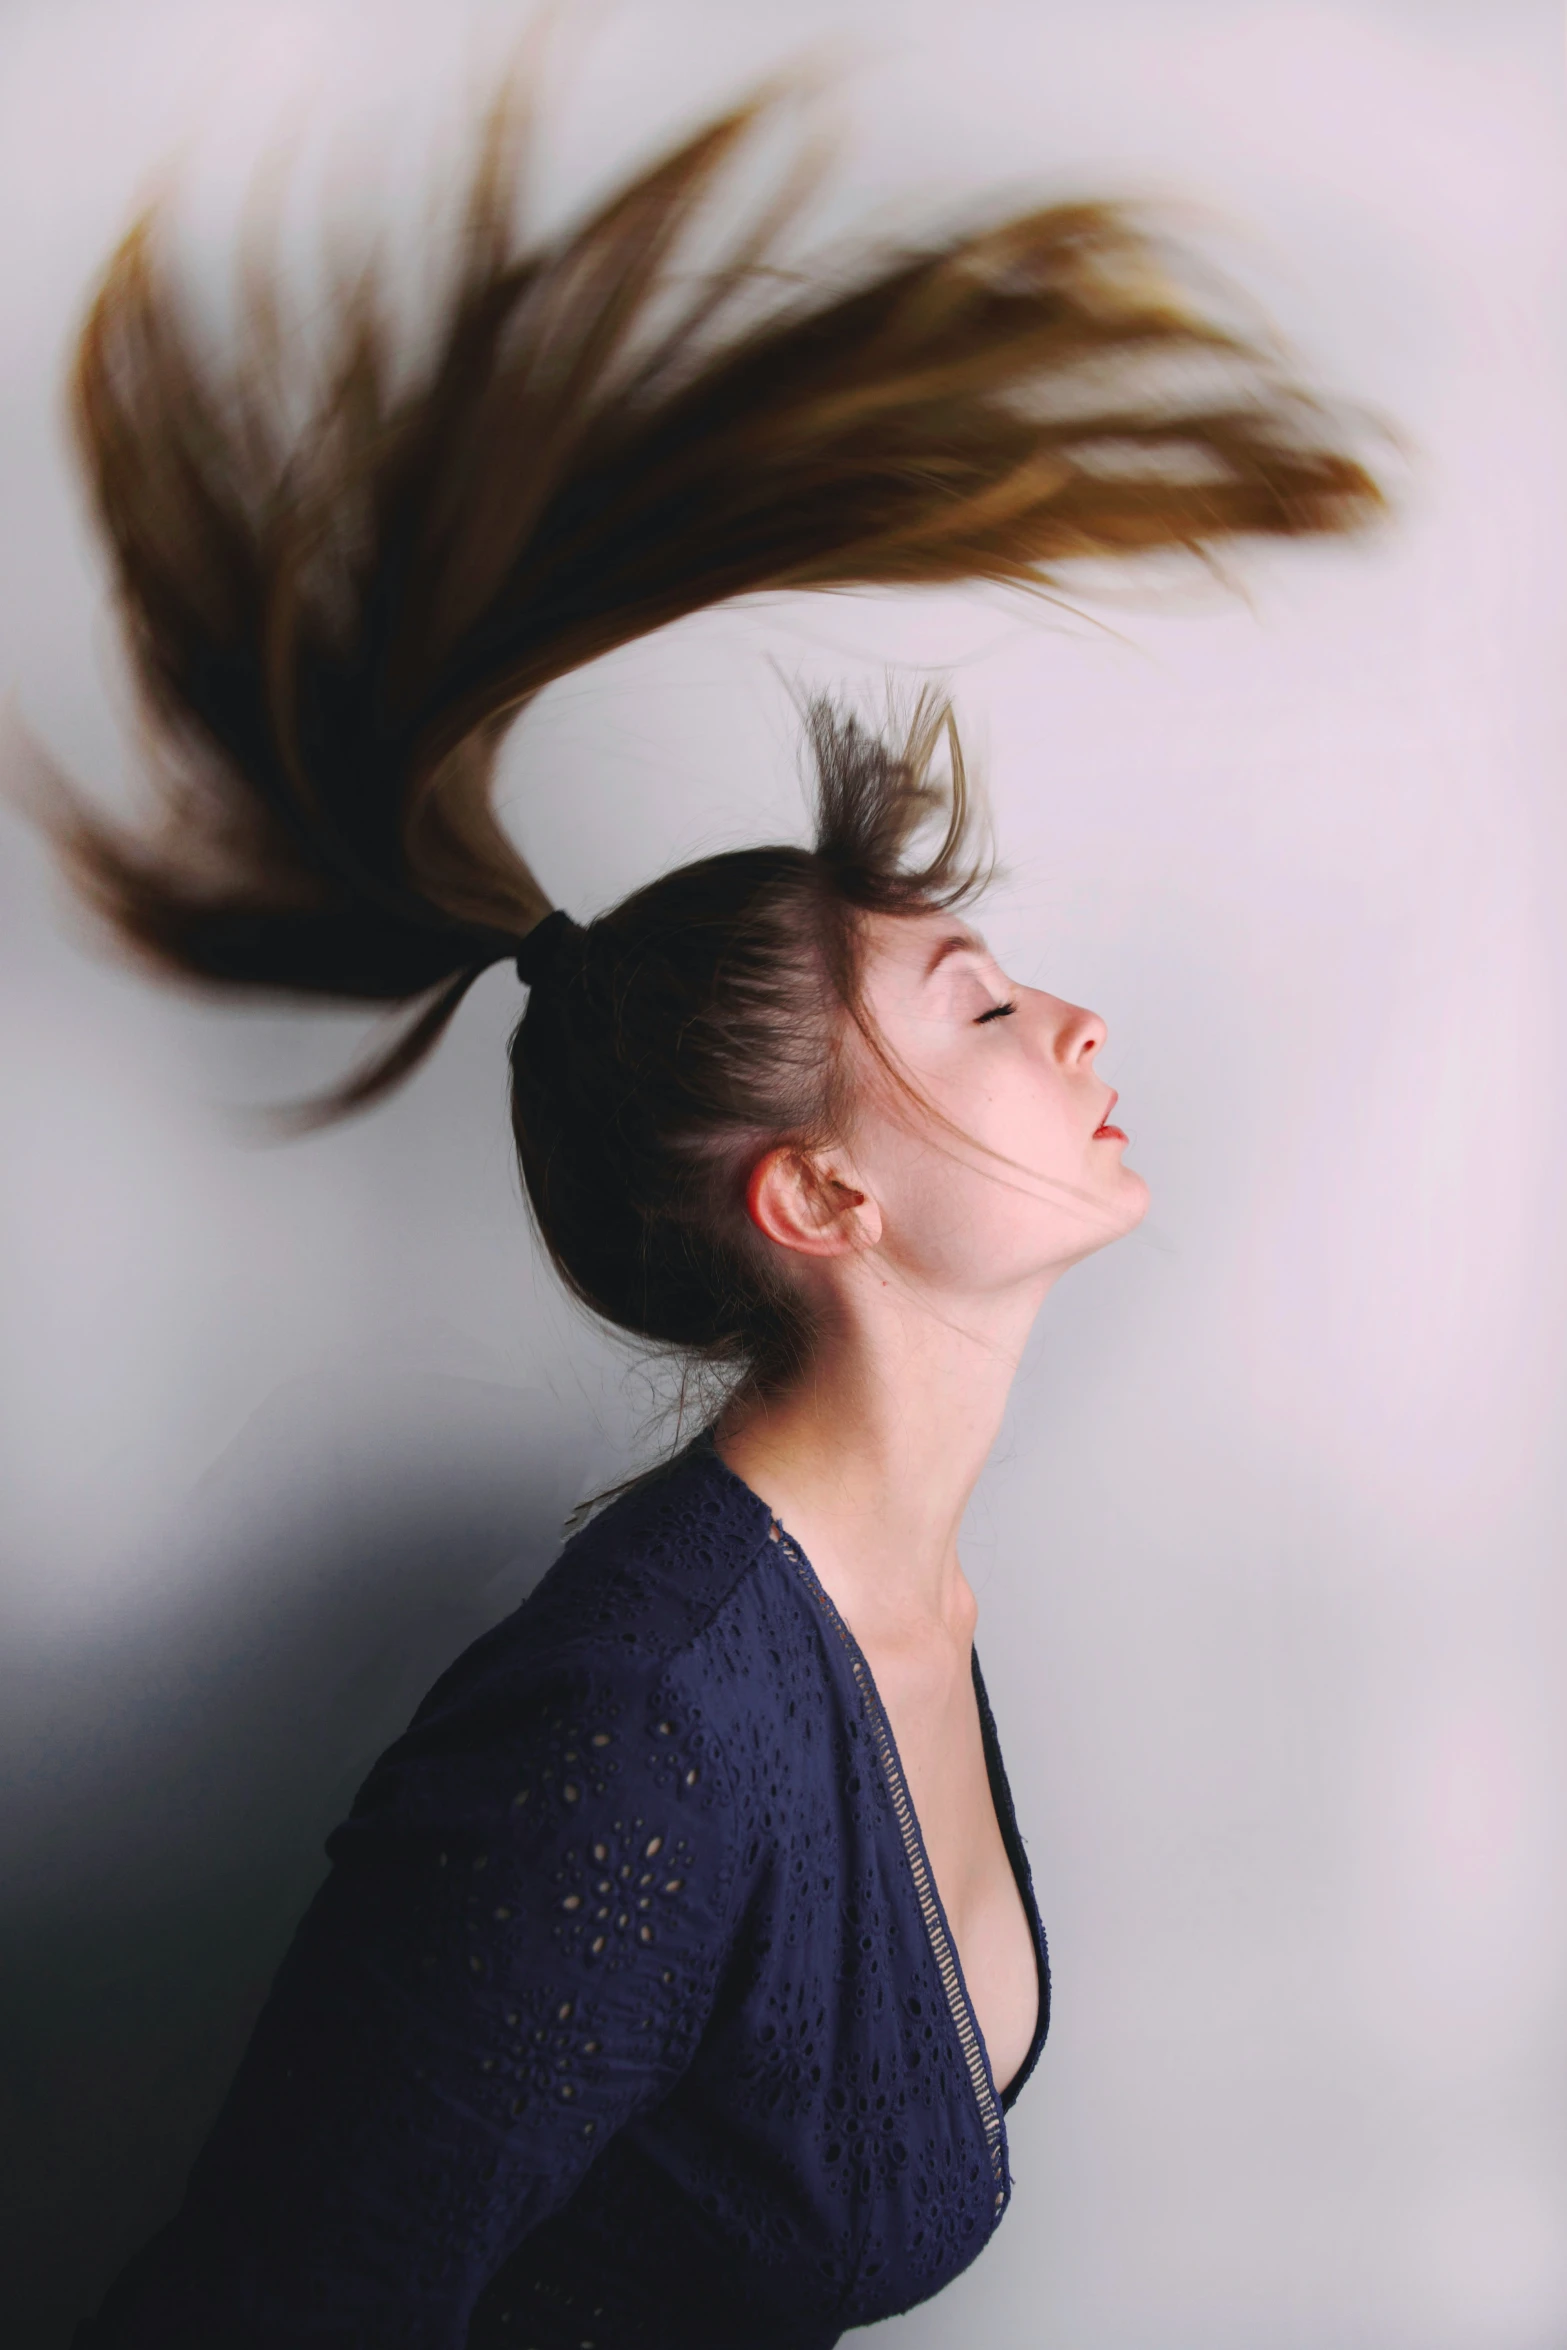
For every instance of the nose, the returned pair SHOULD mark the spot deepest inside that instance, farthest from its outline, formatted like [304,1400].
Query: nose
[1079,1035]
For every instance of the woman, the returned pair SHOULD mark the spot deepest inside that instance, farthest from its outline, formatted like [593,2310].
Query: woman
[677,1966]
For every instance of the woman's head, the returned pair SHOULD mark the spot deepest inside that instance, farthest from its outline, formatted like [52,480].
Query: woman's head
[764,1063]
[334,623]
[722,1017]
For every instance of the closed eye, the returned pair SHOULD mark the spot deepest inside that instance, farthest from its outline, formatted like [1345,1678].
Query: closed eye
[996,1012]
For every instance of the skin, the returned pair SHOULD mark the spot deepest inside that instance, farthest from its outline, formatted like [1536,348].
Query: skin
[926,1250]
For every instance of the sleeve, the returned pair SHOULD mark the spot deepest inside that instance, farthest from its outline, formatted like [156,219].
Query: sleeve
[515,1952]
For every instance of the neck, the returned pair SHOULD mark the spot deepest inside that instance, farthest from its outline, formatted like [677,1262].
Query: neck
[870,1459]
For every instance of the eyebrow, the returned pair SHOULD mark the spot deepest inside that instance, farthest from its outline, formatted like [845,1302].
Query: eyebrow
[954,944]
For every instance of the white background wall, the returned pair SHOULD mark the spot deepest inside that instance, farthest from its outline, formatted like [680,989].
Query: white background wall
[1269,1558]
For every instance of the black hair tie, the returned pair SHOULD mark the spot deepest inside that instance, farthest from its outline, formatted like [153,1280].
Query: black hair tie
[540,952]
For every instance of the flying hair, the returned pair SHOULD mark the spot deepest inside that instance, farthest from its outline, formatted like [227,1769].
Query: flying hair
[336,605]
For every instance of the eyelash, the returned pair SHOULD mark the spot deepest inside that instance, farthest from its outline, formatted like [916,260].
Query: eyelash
[996,1012]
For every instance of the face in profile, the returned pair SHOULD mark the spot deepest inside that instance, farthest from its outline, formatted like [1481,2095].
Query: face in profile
[1015,1170]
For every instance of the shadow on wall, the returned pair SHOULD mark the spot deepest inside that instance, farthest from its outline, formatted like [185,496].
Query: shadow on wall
[168,1785]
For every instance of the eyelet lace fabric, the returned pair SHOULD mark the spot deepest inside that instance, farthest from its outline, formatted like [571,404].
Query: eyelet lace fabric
[628,2017]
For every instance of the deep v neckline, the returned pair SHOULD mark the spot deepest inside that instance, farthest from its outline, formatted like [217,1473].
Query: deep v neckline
[991,2103]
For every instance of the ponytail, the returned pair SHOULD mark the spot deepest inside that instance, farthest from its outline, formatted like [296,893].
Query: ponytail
[333,626]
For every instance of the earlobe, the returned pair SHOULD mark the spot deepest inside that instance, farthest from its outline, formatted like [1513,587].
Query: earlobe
[797,1205]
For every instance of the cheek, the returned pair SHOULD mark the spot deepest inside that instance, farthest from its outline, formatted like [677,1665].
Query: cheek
[948,1211]
[955,1213]
[928,1191]
[1021,1112]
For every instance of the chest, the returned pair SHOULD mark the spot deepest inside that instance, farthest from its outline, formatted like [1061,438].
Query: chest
[932,1708]
[855,2040]
[834,2152]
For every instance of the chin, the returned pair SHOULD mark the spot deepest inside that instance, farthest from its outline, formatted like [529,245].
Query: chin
[1134,1200]
[1124,1210]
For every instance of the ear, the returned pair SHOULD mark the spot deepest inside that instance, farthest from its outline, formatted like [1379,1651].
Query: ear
[803,1204]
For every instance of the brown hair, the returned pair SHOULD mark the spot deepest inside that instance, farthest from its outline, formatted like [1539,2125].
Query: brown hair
[333,625]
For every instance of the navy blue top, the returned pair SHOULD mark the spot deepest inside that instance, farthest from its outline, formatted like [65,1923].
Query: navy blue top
[628,2017]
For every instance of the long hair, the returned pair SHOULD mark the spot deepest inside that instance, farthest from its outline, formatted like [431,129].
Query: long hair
[334,621]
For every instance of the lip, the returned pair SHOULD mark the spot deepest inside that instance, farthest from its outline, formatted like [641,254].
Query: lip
[1104,1128]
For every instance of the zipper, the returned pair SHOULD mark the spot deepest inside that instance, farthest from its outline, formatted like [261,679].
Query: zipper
[919,1869]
